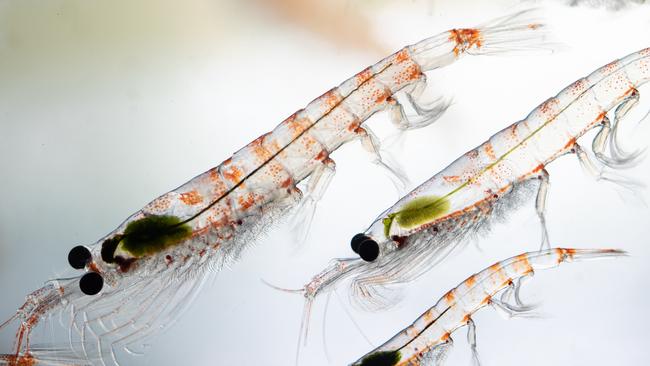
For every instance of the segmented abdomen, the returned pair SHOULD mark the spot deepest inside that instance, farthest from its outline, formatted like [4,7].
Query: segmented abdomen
[456,307]
[262,176]
[524,148]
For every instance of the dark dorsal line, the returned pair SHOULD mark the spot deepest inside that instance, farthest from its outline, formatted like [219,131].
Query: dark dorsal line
[425,328]
[238,184]
[110,245]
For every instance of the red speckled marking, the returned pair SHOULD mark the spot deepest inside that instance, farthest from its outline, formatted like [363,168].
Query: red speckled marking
[407,74]
[297,125]
[521,264]
[471,281]
[354,126]
[489,151]
[570,144]
[472,154]
[246,202]
[570,252]
[451,178]
[560,254]
[465,319]
[191,198]
[450,298]
[259,150]
[548,107]
[381,96]
[332,98]
[322,155]
[233,174]
[160,204]
[497,270]
[465,39]
[429,316]
[17,360]
[538,168]
[364,76]
[93,267]
[287,183]
[402,55]
[486,300]
[611,67]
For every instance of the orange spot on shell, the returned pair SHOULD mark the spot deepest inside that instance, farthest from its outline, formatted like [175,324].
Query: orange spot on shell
[451,178]
[630,91]
[412,332]
[472,154]
[322,155]
[413,72]
[521,264]
[570,252]
[486,300]
[489,151]
[429,317]
[233,174]
[547,106]
[570,144]
[363,76]
[354,126]
[214,175]
[18,360]
[332,98]
[286,183]
[538,168]
[246,202]
[450,297]
[297,125]
[191,198]
[402,55]
[496,267]
[471,281]
[382,97]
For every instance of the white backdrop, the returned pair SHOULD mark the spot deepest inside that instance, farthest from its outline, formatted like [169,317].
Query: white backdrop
[106,105]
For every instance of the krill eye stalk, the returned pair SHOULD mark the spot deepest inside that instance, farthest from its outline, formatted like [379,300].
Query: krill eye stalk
[79,256]
[365,246]
[91,283]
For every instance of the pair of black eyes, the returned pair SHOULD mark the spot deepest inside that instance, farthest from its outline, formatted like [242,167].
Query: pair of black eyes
[365,246]
[92,282]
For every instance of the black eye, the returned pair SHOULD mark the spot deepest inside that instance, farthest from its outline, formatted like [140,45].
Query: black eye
[368,250]
[91,283]
[79,256]
[356,240]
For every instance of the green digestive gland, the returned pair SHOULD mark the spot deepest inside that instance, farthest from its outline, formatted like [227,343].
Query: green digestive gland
[384,358]
[152,234]
[419,211]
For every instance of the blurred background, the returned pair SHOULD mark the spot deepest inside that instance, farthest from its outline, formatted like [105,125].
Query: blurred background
[104,105]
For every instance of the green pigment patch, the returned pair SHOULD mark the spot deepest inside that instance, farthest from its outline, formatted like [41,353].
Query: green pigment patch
[417,212]
[385,358]
[153,234]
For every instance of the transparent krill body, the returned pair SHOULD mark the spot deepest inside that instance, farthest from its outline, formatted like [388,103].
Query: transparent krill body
[488,182]
[136,280]
[427,340]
